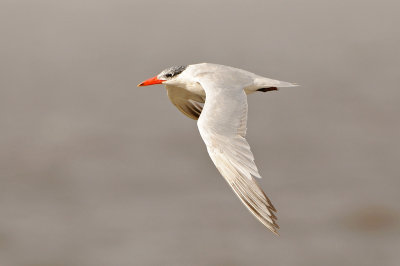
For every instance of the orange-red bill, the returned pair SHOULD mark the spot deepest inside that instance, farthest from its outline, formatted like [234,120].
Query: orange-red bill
[151,81]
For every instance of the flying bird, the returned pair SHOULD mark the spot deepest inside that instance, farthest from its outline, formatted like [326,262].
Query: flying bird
[216,96]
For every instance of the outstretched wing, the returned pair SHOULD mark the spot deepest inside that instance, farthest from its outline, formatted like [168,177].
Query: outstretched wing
[222,126]
[188,103]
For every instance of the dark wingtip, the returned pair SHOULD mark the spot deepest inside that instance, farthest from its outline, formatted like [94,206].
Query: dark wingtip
[268,89]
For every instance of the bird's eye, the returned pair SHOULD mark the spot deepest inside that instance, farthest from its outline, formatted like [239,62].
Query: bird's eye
[168,75]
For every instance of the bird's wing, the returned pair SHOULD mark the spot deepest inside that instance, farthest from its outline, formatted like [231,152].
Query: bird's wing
[222,126]
[188,103]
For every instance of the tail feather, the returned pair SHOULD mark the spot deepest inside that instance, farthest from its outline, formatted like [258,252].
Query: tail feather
[286,84]
[271,83]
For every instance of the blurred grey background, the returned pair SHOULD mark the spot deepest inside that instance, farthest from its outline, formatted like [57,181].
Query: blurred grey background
[95,171]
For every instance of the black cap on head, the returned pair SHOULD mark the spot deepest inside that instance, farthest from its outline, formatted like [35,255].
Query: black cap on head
[171,72]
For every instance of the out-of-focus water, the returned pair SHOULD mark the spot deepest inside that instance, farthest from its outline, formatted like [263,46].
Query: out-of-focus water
[95,171]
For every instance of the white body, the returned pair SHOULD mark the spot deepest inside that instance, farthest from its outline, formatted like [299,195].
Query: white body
[250,82]
[222,124]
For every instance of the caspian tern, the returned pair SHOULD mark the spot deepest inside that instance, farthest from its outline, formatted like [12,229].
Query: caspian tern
[215,95]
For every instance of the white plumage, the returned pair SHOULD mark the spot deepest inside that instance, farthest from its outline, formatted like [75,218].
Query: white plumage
[216,96]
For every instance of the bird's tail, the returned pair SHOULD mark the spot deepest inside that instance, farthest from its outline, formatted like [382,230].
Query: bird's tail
[266,82]
[282,84]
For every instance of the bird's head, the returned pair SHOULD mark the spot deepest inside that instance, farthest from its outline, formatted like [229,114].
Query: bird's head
[166,75]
